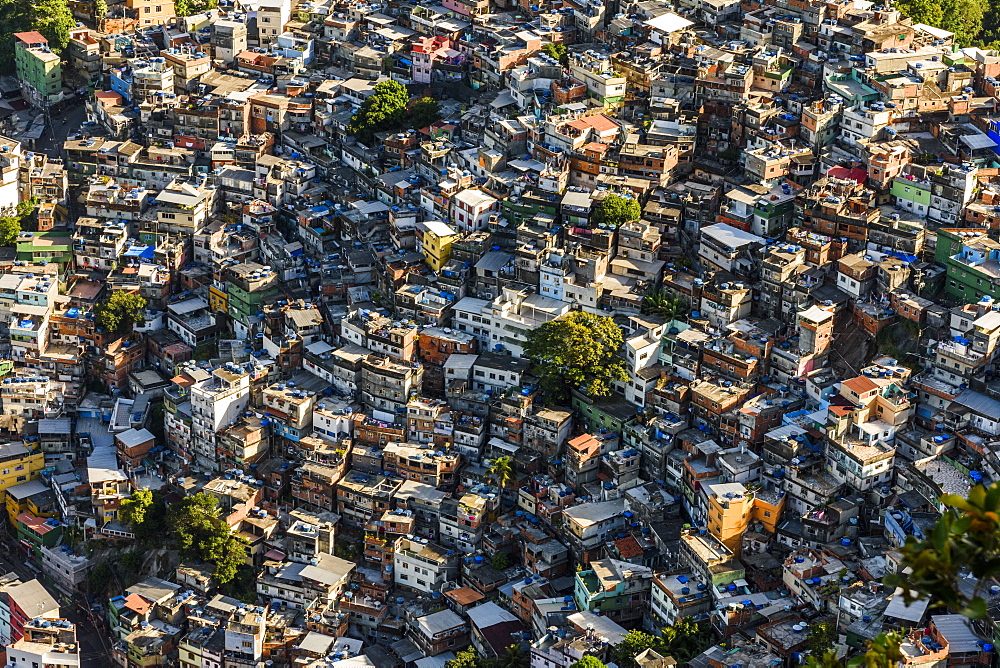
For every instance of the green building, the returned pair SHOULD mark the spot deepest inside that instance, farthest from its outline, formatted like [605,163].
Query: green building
[520,208]
[38,69]
[972,263]
[248,286]
[37,532]
[612,588]
[54,246]
[912,194]
[612,413]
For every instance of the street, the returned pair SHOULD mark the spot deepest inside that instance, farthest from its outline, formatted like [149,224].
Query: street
[51,143]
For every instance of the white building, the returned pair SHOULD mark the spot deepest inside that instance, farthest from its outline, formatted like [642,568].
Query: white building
[504,323]
[10,165]
[471,208]
[216,403]
[423,566]
[50,643]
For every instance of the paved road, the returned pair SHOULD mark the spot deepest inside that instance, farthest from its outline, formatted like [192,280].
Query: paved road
[51,144]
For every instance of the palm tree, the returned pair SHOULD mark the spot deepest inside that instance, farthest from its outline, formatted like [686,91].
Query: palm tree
[514,657]
[501,470]
[664,302]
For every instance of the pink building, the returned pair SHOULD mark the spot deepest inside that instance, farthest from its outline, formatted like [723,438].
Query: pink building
[425,50]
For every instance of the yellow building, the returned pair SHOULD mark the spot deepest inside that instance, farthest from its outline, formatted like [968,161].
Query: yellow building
[218,300]
[434,240]
[732,507]
[34,497]
[19,464]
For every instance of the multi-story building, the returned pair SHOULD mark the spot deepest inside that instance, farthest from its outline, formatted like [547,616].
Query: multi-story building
[216,402]
[614,589]
[39,70]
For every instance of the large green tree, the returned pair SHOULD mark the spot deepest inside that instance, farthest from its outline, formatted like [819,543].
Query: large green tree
[120,311]
[632,645]
[616,210]
[577,351]
[201,533]
[964,18]
[921,11]
[465,658]
[189,7]
[10,227]
[588,661]
[133,510]
[146,514]
[54,19]
[556,50]
[425,111]
[383,110]
[972,21]
[683,640]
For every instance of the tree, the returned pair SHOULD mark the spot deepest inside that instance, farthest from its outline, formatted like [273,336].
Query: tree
[616,210]
[514,657]
[588,661]
[10,227]
[964,18]
[145,513]
[120,311]
[99,578]
[556,50]
[921,11]
[500,561]
[54,19]
[425,111]
[384,109]
[666,303]
[232,557]
[133,510]
[966,538]
[822,638]
[131,561]
[577,351]
[632,645]
[100,11]
[686,639]
[196,523]
[882,652]
[26,208]
[202,534]
[501,470]
[189,7]
[465,658]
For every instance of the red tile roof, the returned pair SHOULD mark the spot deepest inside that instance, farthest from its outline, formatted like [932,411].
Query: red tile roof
[31,37]
[137,604]
[860,385]
[629,547]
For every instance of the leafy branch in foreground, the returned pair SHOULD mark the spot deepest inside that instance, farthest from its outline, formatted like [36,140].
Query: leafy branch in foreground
[965,540]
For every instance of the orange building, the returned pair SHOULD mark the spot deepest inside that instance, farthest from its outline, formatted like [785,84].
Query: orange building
[732,507]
